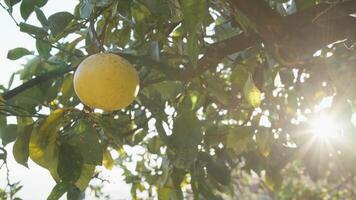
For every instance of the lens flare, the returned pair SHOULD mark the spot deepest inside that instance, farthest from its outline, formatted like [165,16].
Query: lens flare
[324,127]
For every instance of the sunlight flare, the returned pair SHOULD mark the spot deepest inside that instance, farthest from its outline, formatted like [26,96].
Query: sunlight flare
[324,127]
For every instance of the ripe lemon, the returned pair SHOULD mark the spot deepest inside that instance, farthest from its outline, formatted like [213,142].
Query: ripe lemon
[106,81]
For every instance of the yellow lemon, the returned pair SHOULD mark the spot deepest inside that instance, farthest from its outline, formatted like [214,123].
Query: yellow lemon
[106,81]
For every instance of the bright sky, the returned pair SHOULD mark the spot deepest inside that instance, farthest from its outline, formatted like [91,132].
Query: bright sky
[37,182]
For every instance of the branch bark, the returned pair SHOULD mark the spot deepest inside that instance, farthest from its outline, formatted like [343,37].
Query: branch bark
[272,28]
[33,82]
[293,39]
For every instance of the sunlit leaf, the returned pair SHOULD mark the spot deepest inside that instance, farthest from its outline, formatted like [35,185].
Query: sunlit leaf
[165,193]
[85,176]
[252,93]
[43,147]
[108,161]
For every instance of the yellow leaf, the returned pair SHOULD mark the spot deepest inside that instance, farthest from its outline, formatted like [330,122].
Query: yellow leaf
[108,162]
[43,147]
[165,193]
[252,93]
[85,176]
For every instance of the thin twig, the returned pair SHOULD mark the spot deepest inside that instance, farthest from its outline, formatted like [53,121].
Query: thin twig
[8,11]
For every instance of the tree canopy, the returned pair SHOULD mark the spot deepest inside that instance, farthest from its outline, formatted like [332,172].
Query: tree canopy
[238,98]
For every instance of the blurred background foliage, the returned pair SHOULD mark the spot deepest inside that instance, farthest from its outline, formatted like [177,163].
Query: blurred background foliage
[228,90]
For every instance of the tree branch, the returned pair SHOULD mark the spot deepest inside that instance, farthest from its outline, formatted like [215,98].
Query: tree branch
[33,82]
[217,51]
[293,39]
[268,22]
[309,39]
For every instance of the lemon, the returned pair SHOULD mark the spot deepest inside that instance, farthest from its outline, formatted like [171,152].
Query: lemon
[106,81]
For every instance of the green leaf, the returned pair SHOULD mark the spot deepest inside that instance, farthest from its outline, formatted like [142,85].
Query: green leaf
[194,12]
[3,120]
[168,89]
[41,17]
[30,68]
[167,193]
[75,194]
[28,6]
[85,9]
[239,138]
[219,171]
[58,191]
[252,93]
[8,134]
[30,29]
[239,77]
[67,88]
[186,135]
[193,48]
[20,149]
[216,89]
[263,139]
[304,4]
[85,138]
[201,185]
[121,37]
[59,21]
[154,145]
[17,53]
[70,162]
[159,8]
[43,48]
[11,3]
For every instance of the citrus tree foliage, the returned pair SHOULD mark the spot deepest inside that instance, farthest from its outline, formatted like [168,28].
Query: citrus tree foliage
[226,87]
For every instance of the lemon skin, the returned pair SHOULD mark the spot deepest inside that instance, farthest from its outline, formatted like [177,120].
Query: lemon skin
[106,81]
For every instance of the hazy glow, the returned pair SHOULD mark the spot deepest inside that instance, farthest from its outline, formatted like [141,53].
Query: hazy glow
[324,127]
